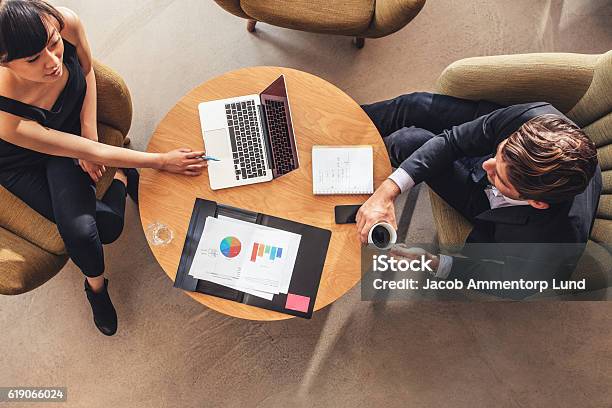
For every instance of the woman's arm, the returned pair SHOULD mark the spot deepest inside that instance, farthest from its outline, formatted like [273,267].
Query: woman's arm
[31,135]
[74,31]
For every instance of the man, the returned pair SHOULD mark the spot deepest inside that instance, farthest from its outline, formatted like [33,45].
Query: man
[525,176]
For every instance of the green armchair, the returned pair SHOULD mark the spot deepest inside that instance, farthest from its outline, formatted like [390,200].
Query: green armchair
[31,249]
[358,18]
[578,85]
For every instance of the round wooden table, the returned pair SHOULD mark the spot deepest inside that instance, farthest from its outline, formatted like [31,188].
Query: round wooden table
[322,115]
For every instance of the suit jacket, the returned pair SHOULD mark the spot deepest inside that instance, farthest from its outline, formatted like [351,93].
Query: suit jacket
[509,243]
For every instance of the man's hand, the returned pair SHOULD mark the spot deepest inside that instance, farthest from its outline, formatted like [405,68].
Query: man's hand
[403,251]
[379,207]
[94,170]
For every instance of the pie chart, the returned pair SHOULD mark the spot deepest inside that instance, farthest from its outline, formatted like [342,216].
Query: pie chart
[230,247]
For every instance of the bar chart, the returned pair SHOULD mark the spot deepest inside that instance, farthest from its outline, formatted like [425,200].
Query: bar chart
[264,251]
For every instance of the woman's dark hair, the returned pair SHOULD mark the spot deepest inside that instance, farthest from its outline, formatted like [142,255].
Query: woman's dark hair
[23,27]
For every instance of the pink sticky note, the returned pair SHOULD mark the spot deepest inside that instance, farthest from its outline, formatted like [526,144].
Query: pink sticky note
[297,302]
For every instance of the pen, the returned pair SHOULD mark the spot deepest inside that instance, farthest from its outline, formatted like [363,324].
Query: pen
[207,158]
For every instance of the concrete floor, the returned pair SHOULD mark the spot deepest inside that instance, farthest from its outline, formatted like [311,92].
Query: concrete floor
[172,352]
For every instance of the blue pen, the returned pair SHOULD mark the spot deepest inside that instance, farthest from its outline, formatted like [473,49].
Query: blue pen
[207,158]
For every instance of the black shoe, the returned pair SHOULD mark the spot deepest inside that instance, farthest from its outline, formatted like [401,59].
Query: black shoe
[104,314]
[132,183]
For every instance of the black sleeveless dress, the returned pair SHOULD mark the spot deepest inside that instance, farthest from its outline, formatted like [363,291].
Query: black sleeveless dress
[65,115]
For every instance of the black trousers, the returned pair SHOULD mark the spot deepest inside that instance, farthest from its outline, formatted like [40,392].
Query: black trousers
[409,121]
[64,194]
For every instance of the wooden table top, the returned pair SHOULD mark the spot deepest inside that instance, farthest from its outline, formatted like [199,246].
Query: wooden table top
[322,115]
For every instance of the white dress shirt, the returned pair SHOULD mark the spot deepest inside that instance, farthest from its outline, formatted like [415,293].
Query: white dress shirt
[496,200]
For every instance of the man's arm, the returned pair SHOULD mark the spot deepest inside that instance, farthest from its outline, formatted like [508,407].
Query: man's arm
[476,138]
[490,274]
[378,208]
[435,155]
[511,262]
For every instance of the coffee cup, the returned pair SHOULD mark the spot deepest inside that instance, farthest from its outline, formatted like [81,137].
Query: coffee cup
[382,235]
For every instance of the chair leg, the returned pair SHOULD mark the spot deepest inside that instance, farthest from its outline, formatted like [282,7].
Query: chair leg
[359,42]
[251,25]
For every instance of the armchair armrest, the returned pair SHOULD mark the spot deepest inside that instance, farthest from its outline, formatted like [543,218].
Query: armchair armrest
[558,78]
[114,100]
[392,15]
[25,266]
[24,222]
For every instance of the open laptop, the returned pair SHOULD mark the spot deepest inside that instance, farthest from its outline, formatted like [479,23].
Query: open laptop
[251,135]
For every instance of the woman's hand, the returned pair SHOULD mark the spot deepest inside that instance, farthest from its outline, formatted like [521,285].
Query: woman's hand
[183,161]
[379,207]
[94,170]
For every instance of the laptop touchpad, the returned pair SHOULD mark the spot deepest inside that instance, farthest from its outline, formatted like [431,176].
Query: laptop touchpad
[217,143]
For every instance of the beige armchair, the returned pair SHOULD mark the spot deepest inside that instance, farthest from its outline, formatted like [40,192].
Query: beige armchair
[358,18]
[578,85]
[31,249]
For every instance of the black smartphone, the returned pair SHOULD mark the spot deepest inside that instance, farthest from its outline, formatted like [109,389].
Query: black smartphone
[345,214]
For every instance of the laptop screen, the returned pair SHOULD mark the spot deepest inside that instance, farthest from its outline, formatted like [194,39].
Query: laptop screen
[276,88]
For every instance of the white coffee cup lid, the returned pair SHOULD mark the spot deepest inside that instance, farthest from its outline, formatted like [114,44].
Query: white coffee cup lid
[392,237]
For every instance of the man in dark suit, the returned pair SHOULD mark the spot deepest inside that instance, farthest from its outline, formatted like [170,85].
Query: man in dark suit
[525,176]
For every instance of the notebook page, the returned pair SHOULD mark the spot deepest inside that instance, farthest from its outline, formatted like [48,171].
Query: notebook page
[342,170]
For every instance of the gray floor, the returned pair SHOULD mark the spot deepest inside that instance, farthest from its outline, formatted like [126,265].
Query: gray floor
[172,352]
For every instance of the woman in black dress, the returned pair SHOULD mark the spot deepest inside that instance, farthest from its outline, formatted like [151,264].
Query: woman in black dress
[48,122]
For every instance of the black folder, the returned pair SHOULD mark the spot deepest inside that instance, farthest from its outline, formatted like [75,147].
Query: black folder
[302,294]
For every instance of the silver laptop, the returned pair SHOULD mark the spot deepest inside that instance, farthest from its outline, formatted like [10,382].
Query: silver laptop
[251,135]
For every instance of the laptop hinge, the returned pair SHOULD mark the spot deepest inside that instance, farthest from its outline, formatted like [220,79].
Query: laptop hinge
[264,124]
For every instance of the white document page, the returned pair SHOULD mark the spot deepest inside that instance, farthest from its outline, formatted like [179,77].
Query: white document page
[212,265]
[245,257]
[342,170]
[209,260]
[293,243]
[233,284]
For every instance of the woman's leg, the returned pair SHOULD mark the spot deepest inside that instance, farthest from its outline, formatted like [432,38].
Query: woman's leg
[110,211]
[30,186]
[74,208]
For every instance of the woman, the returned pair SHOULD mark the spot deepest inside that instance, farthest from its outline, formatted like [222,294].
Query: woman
[48,119]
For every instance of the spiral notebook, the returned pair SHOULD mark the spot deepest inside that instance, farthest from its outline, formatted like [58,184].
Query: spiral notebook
[342,170]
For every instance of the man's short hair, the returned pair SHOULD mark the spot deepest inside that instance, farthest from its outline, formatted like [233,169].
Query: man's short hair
[549,159]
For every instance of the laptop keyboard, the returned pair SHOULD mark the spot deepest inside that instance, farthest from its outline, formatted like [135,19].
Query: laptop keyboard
[279,137]
[245,139]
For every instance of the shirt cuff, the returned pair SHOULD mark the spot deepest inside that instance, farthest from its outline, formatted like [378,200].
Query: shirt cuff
[402,179]
[444,266]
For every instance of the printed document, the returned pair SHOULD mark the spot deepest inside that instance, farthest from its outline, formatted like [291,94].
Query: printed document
[248,257]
